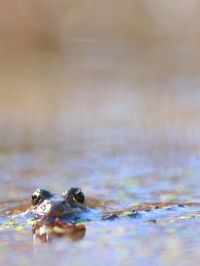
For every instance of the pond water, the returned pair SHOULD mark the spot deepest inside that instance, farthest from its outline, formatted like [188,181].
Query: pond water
[121,172]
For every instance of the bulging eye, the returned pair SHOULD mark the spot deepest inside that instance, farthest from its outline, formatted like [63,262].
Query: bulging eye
[36,197]
[75,196]
[79,196]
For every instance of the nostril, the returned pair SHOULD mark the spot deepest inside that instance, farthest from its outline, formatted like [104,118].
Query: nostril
[59,209]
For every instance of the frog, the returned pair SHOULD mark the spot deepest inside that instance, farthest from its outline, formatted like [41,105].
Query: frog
[70,212]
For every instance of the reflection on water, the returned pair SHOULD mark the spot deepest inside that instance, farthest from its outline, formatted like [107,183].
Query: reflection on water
[45,234]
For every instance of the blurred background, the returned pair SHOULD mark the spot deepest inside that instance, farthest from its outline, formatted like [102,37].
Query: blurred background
[95,92]
[99,70]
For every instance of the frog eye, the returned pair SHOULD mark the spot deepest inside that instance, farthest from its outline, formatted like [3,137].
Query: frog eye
[79,196]
[75,196]
[40,195]
[36,197]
